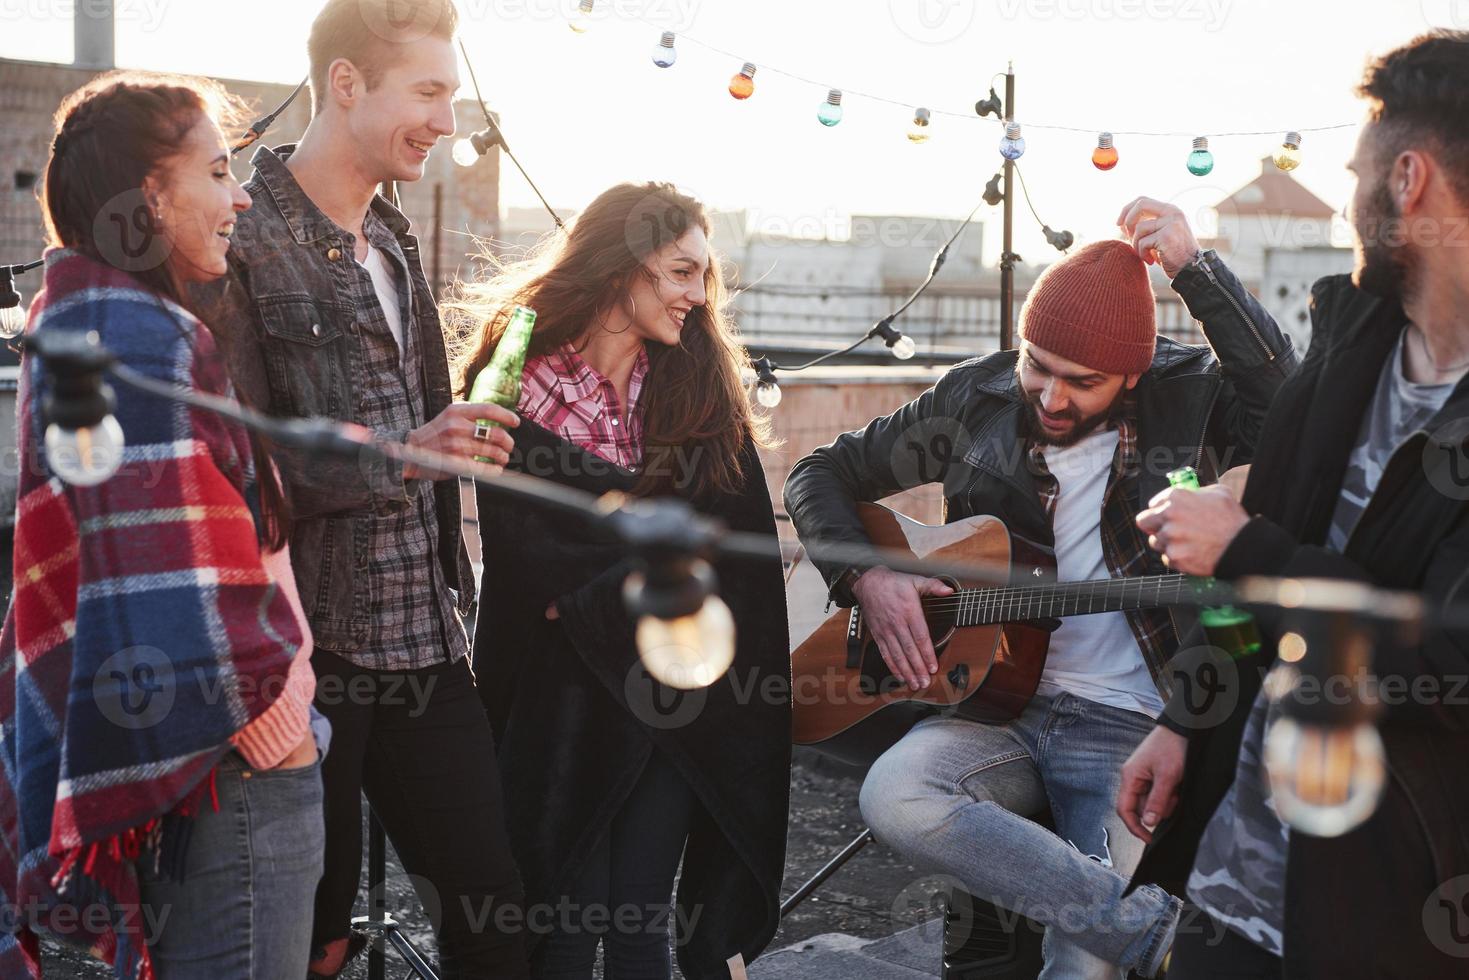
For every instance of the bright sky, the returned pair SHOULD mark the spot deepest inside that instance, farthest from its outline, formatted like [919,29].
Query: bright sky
[585,111]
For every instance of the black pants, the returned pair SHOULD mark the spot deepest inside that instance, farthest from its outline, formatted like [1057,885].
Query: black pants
[624,898]
[1206,950]
[419,745]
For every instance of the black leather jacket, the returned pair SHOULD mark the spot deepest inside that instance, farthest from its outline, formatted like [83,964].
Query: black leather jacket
[1196,407]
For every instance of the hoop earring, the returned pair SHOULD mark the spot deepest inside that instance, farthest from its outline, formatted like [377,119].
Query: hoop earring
[630,321]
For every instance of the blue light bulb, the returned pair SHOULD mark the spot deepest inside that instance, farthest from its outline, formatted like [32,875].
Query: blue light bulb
[1012,147]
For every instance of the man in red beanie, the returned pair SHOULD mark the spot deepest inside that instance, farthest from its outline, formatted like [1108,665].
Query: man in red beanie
[1065,440]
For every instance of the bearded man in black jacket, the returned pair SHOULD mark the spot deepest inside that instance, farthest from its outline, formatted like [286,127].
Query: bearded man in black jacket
[1360,474]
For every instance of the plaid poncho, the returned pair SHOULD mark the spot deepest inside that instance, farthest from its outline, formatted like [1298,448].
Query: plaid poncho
[143,633]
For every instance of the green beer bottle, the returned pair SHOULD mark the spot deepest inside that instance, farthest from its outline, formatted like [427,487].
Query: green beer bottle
[499,382]
[1228,627]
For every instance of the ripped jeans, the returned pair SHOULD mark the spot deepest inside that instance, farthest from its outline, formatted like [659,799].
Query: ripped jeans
[956,797]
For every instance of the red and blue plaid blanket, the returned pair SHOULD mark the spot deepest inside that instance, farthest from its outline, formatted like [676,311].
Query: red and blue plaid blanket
[143,632]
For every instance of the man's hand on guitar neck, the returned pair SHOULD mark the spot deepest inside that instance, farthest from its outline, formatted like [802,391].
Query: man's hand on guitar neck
[892,607]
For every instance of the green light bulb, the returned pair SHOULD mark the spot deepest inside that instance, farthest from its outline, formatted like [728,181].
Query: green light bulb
[1200,161]
[830,112]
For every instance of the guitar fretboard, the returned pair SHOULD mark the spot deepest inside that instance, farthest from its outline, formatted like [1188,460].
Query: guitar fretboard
[980,607]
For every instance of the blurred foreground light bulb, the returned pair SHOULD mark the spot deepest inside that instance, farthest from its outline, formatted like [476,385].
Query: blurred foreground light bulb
[85,457]
[689,652]
[830,112]
[903,348]
[581,20]
[1288,157]
[1012,147]
[742,86]
[664,55]
[1200,161]
[1325,781]
[1104,157]
[685,633]
[12,322]
[918,132]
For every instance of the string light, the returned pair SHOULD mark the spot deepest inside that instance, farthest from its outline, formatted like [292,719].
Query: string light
[742,86]
[12,311]
[902,346]
[1104,157]
[918,132]
[992,193]
[1012,146]
[582,19]
[1200,161]
[1288,157]
[1061,241]
[767,389]
[830,112]
[663,55]
[990,106]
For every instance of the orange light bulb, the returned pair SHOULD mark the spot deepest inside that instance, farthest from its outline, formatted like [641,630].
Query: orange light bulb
[1104,157]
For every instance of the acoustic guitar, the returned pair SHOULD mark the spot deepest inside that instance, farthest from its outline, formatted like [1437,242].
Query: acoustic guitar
[990,639]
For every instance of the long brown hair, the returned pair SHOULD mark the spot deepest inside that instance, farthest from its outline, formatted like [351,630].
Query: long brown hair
[693,400]
[111,135]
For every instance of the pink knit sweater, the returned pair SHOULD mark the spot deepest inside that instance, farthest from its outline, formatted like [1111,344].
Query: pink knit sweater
[267,740]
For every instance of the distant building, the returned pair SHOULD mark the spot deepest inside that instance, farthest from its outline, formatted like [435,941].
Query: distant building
[464,199]
[1277,237]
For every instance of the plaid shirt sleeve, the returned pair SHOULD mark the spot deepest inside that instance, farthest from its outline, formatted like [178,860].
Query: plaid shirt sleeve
[1124,546]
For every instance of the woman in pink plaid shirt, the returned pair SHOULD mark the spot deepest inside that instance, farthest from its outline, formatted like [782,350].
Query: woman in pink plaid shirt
[633,384]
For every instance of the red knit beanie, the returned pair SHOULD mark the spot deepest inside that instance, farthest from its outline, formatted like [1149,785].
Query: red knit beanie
[1094,307]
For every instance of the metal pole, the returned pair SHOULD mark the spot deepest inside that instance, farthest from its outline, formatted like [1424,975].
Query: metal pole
[832,867]
[1008,257]
[377,873]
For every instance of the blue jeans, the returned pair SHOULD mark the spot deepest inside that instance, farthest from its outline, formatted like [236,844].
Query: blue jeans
[956,796]
[243,906]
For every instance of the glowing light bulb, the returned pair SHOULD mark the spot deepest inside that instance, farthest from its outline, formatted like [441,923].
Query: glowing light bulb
[1288,157]
[689,652]
[465,153]
[1012,147]
[1104,157]
[581,20]
[1324,781]
[742,86]
[830,112]
[767,393]
[85,457]
[903,348]
[12,322]
[918,132]
[1200,161]
[663,55]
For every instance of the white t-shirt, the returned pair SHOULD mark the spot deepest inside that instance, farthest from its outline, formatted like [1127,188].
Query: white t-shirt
[1094,657]
[385,284]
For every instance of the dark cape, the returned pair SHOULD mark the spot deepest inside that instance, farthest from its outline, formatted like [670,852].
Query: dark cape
[576,718]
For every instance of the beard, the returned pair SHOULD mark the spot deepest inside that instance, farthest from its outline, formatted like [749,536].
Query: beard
[1081,425]
[1385,261]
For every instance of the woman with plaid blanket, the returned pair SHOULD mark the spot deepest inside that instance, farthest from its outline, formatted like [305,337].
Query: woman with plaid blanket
[160,795]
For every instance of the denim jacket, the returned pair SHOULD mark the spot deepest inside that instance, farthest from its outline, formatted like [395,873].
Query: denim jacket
[284,314]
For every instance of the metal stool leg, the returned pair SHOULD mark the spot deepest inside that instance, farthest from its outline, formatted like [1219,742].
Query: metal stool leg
[377,923]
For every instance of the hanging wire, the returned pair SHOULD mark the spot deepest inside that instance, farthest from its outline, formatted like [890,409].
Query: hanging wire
[970,116]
